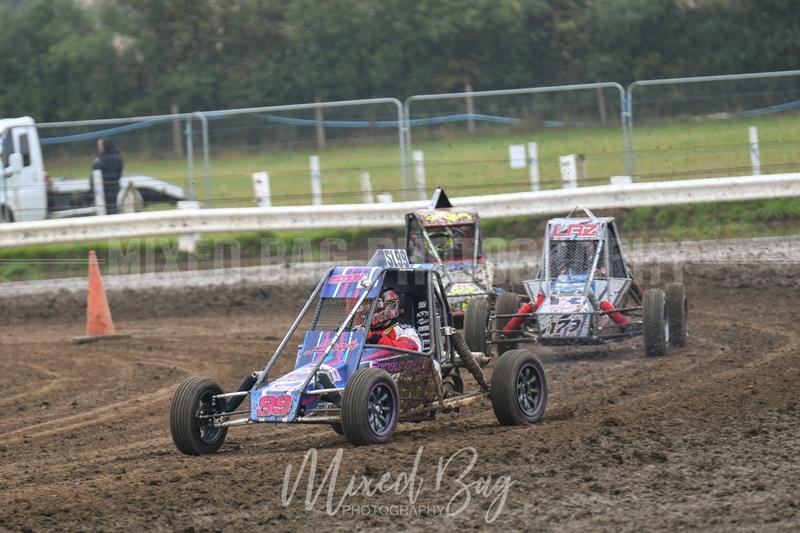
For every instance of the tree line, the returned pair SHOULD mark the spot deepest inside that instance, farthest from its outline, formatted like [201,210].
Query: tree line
[71,59]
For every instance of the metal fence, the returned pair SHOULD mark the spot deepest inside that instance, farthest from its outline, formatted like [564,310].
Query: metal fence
[225,147]
[700,126]
[474,154]
[685,128]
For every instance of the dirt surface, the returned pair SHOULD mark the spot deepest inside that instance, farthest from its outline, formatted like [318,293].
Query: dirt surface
[707,437]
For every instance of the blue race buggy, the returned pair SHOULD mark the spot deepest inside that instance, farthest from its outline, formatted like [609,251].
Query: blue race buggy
[362,390]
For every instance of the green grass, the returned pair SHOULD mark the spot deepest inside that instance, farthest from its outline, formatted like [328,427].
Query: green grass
[479,164]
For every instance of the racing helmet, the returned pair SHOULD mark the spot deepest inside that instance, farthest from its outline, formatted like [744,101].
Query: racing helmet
[387,308]
[443,242]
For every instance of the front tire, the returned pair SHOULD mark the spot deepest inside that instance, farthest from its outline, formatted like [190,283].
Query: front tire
[519,389]
[656,323]
[370,407]
[678,313]
[191,434]
[476,325]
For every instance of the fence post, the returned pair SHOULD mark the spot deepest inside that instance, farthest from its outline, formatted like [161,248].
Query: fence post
[99,193]
[470,108]
[755,154]
[261,188]
[190,156]
[569,171]
[366,188]
[583,169]
[177,140]
[316,180]
[320,120]
[419,173]
[533,167]
[601,105]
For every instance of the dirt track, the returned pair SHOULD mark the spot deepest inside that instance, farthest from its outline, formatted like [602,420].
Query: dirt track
[707,437]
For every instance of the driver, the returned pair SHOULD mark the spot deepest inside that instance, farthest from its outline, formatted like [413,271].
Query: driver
[386,329]
[448,243]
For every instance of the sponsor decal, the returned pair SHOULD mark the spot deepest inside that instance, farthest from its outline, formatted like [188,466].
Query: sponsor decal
[446,217]
[394,366]
[345,278]
[574,231]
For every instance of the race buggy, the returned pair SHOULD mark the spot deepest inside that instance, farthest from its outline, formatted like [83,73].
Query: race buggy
[363,390]
[450,239]
[583,294]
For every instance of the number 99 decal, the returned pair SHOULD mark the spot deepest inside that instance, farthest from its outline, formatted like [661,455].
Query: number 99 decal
[274,405]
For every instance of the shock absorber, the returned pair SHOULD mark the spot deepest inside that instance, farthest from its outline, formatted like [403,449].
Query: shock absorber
[527,308]
[470,363]
[246,385]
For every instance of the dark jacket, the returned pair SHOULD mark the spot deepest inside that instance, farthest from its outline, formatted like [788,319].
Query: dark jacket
[111,165]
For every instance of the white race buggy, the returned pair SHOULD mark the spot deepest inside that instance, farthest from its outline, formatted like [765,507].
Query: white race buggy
[584,294]
[362,390]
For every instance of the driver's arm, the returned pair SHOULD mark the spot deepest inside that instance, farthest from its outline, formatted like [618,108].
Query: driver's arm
[397,337]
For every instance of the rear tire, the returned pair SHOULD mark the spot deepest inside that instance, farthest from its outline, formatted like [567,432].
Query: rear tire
[476,325]
[519,389]
[508,303]
[193,398]
[337,428]
[678,313]
[370,407]
[656,324]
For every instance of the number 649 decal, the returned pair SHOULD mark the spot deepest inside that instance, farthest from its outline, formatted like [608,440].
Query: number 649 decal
[274,405]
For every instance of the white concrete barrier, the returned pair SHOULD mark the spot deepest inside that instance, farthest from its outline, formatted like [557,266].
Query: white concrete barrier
[543,203]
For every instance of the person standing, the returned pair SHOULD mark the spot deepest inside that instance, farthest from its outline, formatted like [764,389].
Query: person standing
[109,162]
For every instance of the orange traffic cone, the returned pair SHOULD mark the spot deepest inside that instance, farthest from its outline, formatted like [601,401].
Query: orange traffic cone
[99,325]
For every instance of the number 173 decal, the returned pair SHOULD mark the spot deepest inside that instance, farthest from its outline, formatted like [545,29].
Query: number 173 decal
[565,325]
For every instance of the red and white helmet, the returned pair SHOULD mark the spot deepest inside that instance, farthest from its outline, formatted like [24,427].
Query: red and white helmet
[387,309]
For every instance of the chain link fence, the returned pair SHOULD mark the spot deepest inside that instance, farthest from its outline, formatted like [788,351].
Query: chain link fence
[213,154]
[701,127]
[475,142]
[466,139]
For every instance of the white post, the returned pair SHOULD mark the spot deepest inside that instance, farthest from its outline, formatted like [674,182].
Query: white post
[533,167]
[261,189]
[188,243]
[366,188]
[755,154]
[419,173]
[316,180]
[99,193]
[569,171]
